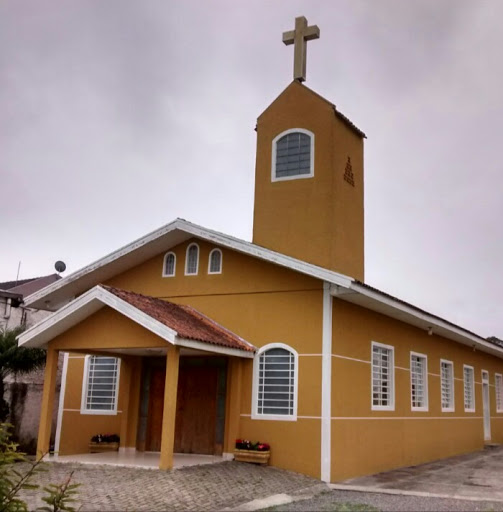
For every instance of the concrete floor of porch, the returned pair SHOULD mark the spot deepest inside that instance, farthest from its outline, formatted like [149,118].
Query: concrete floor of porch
[146,460]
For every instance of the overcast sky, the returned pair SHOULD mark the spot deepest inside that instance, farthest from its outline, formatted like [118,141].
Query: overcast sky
[117,117]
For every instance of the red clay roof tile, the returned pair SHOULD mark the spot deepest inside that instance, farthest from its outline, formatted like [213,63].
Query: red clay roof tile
[185,320]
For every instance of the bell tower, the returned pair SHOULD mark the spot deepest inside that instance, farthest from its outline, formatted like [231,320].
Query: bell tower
[309,176]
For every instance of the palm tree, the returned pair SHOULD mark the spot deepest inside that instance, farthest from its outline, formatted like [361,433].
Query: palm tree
[15,360]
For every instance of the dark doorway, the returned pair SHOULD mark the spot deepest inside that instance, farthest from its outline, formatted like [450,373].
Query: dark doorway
[200,411]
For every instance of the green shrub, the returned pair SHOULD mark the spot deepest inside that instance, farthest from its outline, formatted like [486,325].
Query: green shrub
[13,480]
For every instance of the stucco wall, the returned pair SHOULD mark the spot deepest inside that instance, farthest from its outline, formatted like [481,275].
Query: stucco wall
[318,219]
[264,304]
[261,302]
[366,441]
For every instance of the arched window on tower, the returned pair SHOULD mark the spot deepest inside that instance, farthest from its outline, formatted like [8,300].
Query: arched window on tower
[192,260]
[215,262]
[293,155]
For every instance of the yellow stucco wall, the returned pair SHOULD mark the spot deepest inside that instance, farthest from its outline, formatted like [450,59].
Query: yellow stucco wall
[105,329]
[366,441]
[267,304]
[261,302]
[264,304]
[77,429]
[296,445]
[320,219]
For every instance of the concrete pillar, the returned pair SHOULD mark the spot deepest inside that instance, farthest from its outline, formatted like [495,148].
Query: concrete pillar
[44,429]
[169,413]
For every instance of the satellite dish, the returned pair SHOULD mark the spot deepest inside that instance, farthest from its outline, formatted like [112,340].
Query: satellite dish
[60,266]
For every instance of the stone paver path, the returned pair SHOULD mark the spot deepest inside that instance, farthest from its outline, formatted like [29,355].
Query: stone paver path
[208,487]
[474,475]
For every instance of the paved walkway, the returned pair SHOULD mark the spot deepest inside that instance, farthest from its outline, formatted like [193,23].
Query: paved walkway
[209,487]
[476,475]
[477,478]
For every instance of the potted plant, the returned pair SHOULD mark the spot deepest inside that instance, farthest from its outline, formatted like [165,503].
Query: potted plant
[104,443]
[246,451]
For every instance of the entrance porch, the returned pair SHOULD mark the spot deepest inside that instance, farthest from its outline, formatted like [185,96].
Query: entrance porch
[177,386]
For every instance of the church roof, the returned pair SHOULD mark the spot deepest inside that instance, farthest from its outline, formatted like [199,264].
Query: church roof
[177,324]
[343,287]
[185,320]
[337,113]
[160,241]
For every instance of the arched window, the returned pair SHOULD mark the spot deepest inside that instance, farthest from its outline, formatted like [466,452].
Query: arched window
[275,383]
[192,260]
[169,266]
[293,155]
[215,262]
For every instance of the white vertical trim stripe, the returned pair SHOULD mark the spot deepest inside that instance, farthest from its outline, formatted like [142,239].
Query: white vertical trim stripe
[62,390]
[326,385]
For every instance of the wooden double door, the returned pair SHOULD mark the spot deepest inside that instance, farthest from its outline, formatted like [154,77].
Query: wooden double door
[200,405]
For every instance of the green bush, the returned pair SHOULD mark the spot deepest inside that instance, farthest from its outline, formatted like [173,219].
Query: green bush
[13,480]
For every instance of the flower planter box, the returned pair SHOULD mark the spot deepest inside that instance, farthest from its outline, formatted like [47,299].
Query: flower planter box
[103,447]
[253,456]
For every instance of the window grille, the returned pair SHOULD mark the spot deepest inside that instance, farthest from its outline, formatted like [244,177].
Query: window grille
[499,393]
[469,388]
[293,155]
[447,385]
[192,259]
[215,261]
[102,383]
[418,382]
[382,377]
[276,382]
[169,264]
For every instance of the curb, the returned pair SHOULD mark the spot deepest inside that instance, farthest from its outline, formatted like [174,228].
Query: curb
[276,500]
[398,492]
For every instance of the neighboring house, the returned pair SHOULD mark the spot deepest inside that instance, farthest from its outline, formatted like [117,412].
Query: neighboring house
[196,338]
[24,392]
[13,313]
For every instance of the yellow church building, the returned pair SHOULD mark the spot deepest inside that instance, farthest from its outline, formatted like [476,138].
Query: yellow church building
[187,338]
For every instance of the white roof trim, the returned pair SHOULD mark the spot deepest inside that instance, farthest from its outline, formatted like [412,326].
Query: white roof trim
[93,300]
[216,349]
[342,286]
[87,304]
[365,297]
[204,234]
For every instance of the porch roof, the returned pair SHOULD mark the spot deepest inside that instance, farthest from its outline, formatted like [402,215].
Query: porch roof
[185,320]
[177,324]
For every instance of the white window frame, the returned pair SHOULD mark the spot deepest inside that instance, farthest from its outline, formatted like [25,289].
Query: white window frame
[187,259]
[209,261]
[273,162]
[469,409]
[424,357]
[451,384]
[85,382]
[498,391]
[164,274]
[391,406]
[256,366]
